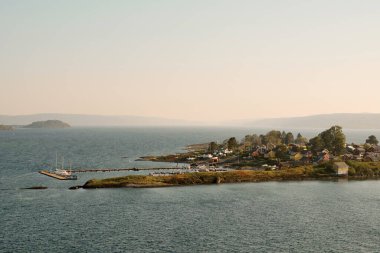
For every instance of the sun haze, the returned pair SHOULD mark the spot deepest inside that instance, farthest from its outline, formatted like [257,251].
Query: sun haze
[197,60]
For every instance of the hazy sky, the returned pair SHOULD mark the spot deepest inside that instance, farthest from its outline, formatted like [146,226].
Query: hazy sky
[197,60]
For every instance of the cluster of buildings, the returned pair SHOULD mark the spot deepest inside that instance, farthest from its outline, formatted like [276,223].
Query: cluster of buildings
[370,153]
[290,156]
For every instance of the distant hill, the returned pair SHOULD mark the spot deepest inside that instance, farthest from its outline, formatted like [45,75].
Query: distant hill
[346,120]
[6,128]
[48,124]
[94,120]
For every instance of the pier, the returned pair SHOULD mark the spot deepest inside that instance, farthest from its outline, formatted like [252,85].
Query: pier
[115,170]
[53,175]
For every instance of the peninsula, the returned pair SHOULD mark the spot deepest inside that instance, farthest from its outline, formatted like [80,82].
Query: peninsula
[276,156]
[48,124]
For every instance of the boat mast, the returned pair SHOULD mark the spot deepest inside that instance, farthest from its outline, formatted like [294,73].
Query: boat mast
[56,160]
[63,161]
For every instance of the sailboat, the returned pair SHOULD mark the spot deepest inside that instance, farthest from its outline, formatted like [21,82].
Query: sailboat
[62,171]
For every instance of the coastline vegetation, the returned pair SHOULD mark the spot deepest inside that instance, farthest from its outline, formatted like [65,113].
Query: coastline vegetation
[232,176]
[197,178]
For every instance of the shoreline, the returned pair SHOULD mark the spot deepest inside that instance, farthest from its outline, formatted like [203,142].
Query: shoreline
[212,178]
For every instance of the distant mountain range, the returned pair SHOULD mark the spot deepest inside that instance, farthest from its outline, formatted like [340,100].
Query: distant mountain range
[345,120]
[92,120]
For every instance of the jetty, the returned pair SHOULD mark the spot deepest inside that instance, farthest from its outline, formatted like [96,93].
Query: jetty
[53,175]
[122,169]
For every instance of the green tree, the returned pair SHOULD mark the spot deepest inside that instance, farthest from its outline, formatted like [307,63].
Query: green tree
[281,152]
[256,140]
[289,138]
[263,139]
[283,137]
[372,140]
[247,140]
[300,139]
[274,137]
[232,143]
[334,140]
[316,144]
[212,147]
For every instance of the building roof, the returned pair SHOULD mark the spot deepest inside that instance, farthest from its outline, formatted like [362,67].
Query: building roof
[341,165]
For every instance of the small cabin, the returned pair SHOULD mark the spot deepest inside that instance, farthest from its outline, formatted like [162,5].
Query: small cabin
[341,168]
[215,159]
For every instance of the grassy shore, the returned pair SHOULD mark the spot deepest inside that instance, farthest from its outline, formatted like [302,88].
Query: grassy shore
[199,178]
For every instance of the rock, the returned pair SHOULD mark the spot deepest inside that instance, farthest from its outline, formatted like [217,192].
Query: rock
[75,187]
[35,188]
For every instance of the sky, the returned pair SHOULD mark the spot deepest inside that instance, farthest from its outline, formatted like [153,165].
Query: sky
[196,60]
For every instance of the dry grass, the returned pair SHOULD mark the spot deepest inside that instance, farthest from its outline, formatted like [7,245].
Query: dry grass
[234,176]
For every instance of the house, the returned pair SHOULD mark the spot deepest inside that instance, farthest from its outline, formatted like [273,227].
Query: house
[341,168]
[359,151]
[205,156]
[227,151]
[215,159]
[296,156]
[372,157]
[350,149]
[347,157]
[323,157]
[256,153]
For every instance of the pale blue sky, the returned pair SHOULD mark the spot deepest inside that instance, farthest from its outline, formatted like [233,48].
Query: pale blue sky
[197,60]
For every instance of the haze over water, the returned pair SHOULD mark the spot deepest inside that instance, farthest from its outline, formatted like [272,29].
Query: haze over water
[257,217]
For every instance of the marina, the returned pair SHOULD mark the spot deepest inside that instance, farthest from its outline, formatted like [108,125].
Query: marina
[57,175]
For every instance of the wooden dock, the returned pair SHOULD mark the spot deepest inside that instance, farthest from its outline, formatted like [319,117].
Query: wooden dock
[60,177]
[53,175]
[115,170]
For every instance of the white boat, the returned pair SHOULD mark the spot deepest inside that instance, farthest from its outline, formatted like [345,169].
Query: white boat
[62,172]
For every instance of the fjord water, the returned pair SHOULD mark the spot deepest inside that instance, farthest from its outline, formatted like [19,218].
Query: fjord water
[263,217]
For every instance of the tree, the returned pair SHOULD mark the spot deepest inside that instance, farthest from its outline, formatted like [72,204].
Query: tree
[256,140]
[316,144]
[289,138]
[372,140]
[281,152]
[263,139]
[300,139]
[232,143]
[212,147]
[332,139]
[283,137]
[274,137]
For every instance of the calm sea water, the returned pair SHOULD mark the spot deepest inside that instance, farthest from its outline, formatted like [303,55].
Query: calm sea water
[262,217]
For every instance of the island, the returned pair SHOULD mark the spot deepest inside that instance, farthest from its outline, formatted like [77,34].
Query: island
[275,156]
[48,124]
[6,128]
